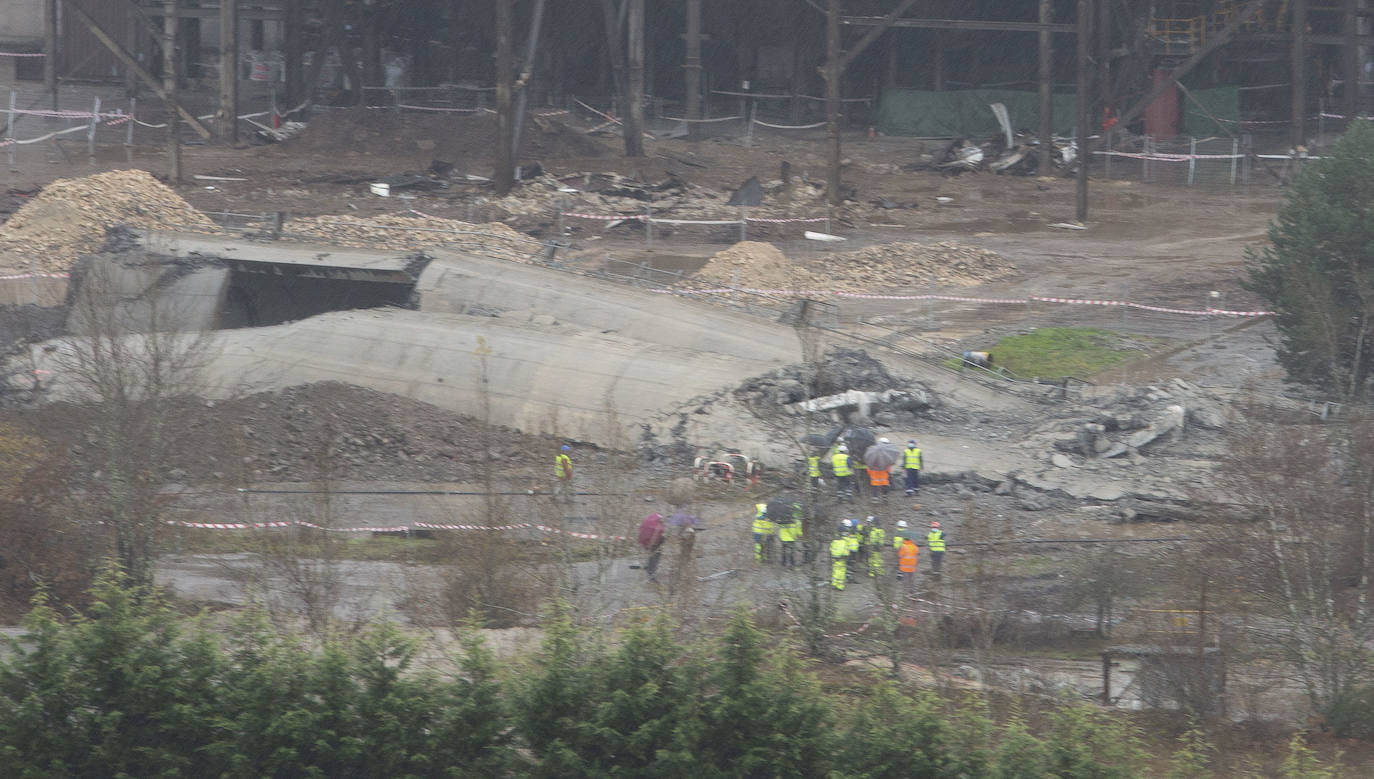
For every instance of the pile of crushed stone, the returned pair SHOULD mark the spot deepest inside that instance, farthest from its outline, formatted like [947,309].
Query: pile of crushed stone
[412,233]
[69,218]
[756,265]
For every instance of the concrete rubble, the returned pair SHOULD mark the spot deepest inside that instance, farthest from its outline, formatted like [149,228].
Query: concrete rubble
[756,265]
[69,218]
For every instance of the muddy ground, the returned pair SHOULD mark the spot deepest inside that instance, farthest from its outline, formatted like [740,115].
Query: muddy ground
[1161,245]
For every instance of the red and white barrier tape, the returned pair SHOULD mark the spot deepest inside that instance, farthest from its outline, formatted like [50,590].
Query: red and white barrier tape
[21,54]
[230,525]
[659,220]
[16,276]
[437,108]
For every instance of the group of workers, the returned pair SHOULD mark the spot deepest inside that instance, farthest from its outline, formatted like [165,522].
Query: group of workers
[865,544]
[787,529]
[858,546]
[843,465]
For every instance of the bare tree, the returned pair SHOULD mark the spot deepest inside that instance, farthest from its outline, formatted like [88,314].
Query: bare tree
[133,356]
[1311,489]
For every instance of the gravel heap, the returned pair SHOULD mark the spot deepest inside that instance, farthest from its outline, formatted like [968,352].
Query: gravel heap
[412,233]
[885,266]
[69,217]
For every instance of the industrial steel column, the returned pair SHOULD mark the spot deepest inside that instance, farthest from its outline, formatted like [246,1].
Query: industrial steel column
[293,48]
[229,70]
[50,49]
[1350,59]
[169,87]
[1046,91]
[1085,30]
[692,67]
[504,176]
[634,99]
[1298,123]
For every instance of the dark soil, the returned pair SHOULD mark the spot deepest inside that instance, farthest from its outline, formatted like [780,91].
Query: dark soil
[319,431]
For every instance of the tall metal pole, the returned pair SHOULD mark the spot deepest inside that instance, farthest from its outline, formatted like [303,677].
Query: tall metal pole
[1298,123]
[692,67]
[169,86]
[1046,77]
[527,75]
[1102,19]
[50,49]
[634,98]
[293,48]
[1085,30]
[1350,58]
[832,101]
[229,70]
[504,176]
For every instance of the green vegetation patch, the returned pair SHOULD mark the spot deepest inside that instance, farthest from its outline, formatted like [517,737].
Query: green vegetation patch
[1053,352]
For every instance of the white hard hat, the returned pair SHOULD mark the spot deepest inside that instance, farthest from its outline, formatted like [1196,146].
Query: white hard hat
[870,518]
[844,449]
[848,523]
[901,523]
[882,440]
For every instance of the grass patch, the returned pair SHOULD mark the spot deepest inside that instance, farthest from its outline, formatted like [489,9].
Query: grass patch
[1055,352]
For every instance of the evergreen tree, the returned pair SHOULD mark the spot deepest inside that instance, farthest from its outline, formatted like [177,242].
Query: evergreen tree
[1084,743]
[39,698]
[897,735]
[1020,755]
[1317,274]
[1194,756]
[472,736]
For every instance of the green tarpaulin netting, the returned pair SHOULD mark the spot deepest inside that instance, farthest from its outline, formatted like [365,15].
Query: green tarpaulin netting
[1221,102]
[966,112]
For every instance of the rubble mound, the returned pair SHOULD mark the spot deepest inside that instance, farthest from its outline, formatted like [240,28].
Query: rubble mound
[414,232]
[756,265]
[69,218]
[905,263]
[838,370]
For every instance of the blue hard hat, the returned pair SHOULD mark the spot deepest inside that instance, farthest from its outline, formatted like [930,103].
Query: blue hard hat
[567,448]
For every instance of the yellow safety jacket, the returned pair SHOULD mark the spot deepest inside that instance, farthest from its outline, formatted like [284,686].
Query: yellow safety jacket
[762,524]
[813,466]
[839,548]
[562,466]
[852,541]
[913,459]
[935,540]
[789,531]
[840,462]
[877,537]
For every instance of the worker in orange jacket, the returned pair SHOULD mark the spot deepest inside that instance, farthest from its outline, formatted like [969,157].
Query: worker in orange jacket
[906,564]
[879,479]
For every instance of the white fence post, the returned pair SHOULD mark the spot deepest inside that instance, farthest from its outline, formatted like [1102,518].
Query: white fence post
[90,132]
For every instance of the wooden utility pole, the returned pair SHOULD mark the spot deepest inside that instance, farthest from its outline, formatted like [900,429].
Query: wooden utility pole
[634,97]
[1046,76]
[50,49]
[504,177]
[293,48]
[1085,31]
[229,70]
[1350,58]
[1298,123]
[692,67]
[169,86]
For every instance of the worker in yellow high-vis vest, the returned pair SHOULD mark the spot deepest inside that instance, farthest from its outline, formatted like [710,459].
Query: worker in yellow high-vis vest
[935,544]
[839,554]
[764,528]
[844,472]
[912,464]
[813,469]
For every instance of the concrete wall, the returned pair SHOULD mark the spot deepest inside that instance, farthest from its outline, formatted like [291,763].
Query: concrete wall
[588,386]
